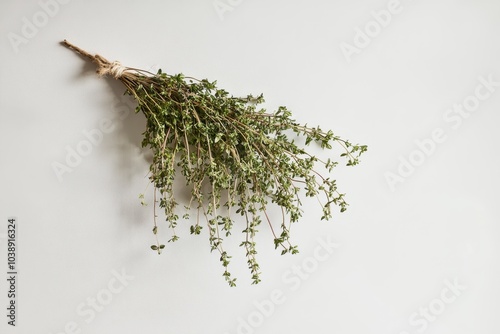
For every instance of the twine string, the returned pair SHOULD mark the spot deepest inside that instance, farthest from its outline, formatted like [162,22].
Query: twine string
[114,69]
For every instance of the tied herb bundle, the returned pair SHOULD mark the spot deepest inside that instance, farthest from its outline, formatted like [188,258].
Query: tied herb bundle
[236,159]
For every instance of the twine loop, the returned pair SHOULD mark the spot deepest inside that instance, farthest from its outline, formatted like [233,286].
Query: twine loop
[114,69]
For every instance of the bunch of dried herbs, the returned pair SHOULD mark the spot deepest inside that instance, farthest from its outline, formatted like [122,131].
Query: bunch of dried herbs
[236,159]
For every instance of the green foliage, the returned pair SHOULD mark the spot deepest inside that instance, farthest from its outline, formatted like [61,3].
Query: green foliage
[235,158]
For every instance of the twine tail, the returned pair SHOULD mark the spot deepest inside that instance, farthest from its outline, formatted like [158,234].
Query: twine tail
[104,66]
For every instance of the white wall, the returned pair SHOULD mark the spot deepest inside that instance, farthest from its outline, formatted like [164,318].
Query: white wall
[411,232]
